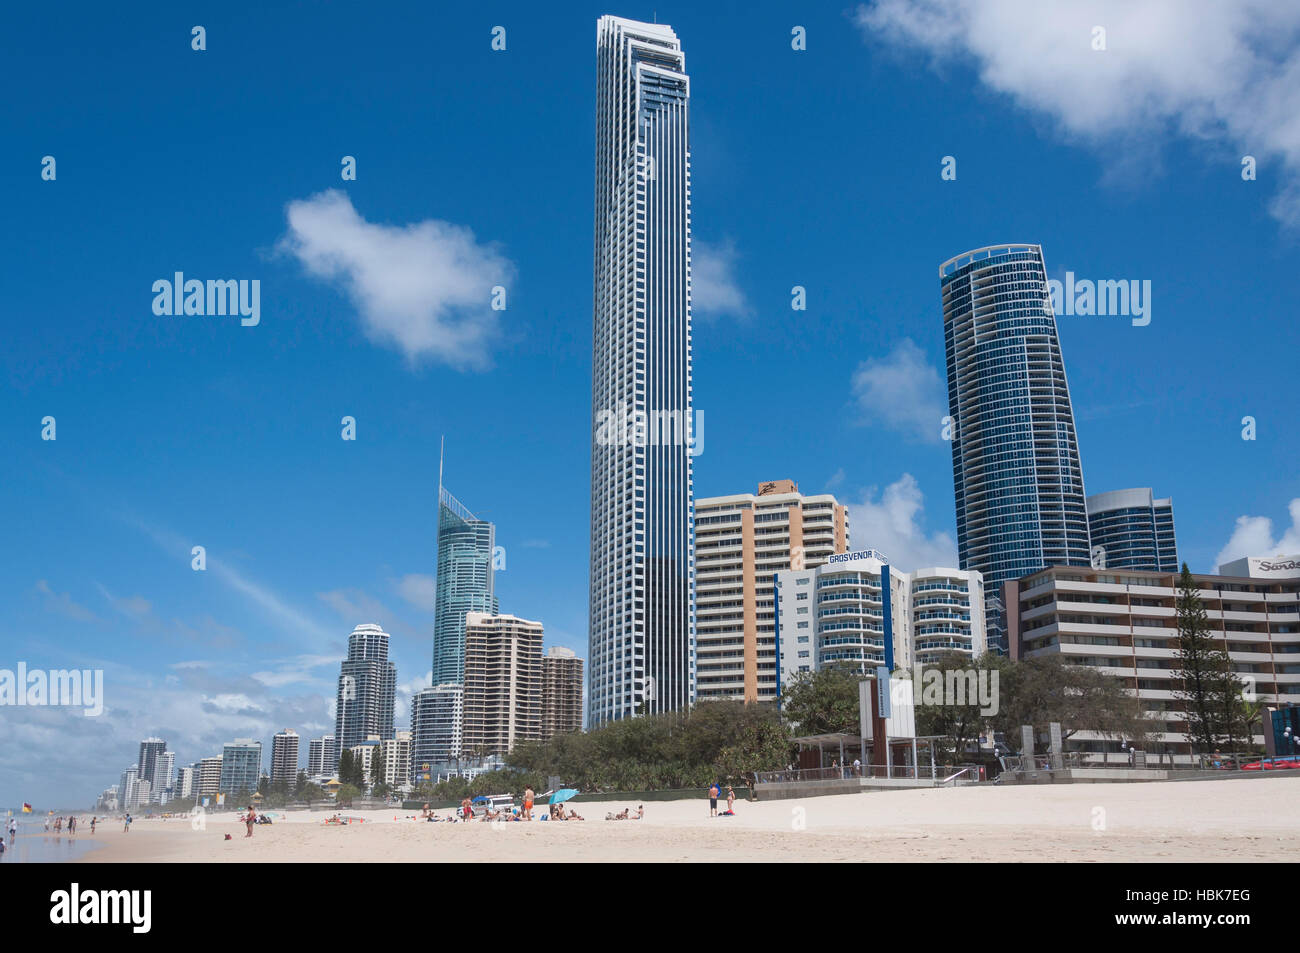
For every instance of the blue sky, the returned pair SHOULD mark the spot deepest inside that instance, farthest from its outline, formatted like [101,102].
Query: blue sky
[818,168]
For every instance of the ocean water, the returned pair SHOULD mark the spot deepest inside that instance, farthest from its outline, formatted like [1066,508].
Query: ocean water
[34,846]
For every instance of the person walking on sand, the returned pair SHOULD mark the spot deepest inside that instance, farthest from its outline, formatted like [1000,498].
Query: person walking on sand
[92,826]
[713,799]
[731,799]
[126,824]
[528,804]
[249,820]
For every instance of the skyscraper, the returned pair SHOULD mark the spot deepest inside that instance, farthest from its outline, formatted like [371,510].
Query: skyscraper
[148,765]
[1015,453]
[367,685]
[241,766]
[503,683]
[1131,529]
[561,692]
[436,722]
[322,756]
[284,758]
[642,572]
[465,583]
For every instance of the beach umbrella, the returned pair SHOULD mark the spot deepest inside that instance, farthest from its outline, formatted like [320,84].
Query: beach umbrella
[562,795]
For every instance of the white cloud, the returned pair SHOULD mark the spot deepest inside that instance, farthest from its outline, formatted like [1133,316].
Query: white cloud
[901,391]
[418,589]
[425,288]
[1225,73]
[63,603]
[894,525]
[714,290]
[1253,536]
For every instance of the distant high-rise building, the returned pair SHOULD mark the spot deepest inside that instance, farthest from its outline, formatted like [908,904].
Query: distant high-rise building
[503,683]
[561,692]
[1131,529]
[241,766]
[641,612]
[741,542]
[367,688]
[209,776]
[124,785]
[137,794]
[322,756]
[147,767]
[465,583]
[161,786]
[436,723]
[184,785]
[396,752]
[284,758]
[1015,453]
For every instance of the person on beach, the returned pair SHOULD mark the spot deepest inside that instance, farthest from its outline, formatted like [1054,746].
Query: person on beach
[249,820]
[47,823]
[528,804]
[713,799]
[92,826]
[731,799]
[58,825]
[13,828]
[126,826]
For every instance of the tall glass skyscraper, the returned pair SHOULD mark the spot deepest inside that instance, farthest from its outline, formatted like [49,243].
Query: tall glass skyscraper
[1131,529]
[642,571]
[465,583]
[1015,454]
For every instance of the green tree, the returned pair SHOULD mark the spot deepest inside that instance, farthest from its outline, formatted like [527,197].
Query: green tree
[1203,669]
[377,766]
[822,702]
[347,794]
[958,713]
[350,769]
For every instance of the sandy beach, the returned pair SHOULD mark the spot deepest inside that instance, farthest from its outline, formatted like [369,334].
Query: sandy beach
[1230,820]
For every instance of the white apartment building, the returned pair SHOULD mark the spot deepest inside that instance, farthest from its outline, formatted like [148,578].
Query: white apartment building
[741,543]
[857,610]
[284,758]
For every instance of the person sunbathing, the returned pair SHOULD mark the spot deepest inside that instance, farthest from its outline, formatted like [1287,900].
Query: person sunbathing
[573,815]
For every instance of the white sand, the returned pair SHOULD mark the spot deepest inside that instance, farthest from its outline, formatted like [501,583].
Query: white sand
[1230,820]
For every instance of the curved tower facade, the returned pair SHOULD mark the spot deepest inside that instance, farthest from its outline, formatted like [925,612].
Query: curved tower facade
[1015,453]
[642,572]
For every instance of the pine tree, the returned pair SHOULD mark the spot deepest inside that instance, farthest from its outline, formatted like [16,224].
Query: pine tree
[1204,670]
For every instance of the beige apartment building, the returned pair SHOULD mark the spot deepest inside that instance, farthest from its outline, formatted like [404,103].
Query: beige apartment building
[503,683]
[1125,623]
[741,542]
[561,692]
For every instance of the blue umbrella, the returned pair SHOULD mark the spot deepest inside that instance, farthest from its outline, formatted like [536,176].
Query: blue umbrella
[562,795]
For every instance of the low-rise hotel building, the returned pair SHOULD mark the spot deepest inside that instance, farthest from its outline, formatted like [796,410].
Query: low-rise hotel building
[1125,623]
